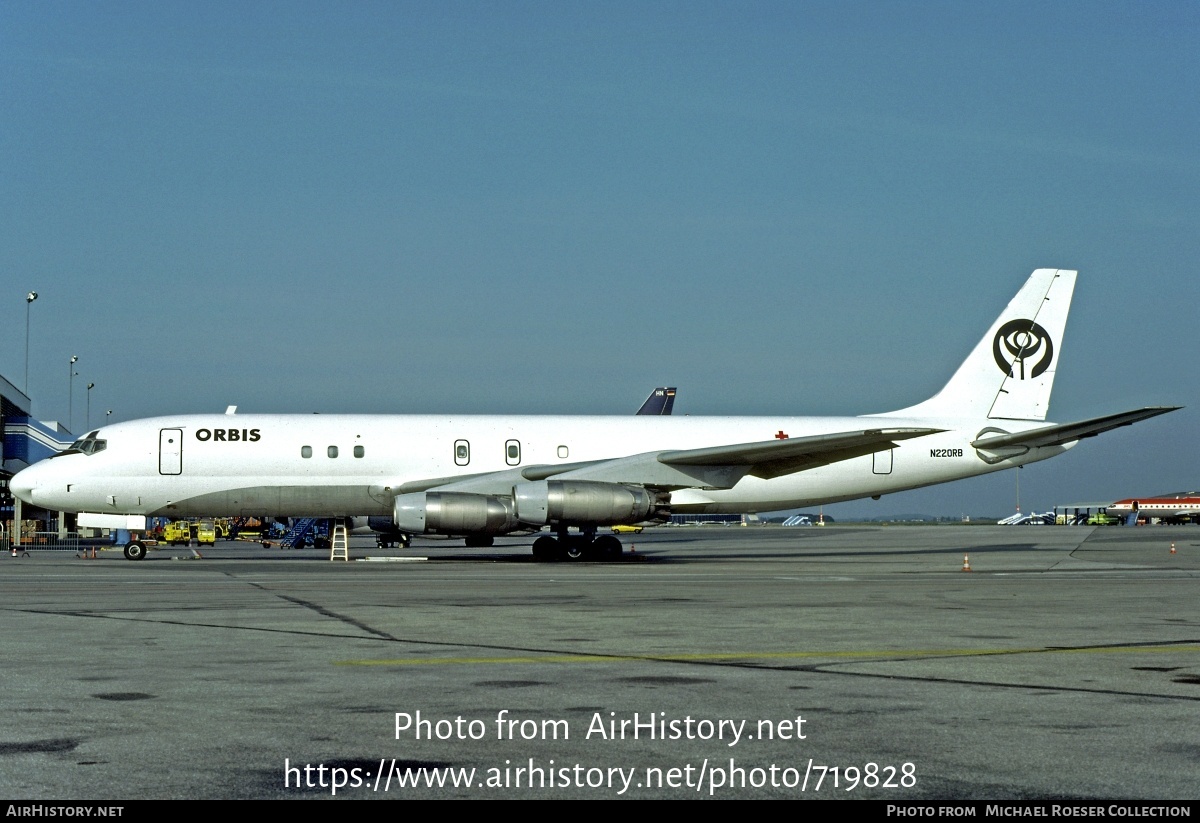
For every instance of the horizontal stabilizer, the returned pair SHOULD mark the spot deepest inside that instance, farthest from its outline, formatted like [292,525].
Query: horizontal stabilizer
[1068,432]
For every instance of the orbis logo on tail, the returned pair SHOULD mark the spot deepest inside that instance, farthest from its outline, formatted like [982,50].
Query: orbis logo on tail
[1024,342]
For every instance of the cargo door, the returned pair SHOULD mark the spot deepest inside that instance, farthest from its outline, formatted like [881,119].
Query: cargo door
[882,462]
[170,451]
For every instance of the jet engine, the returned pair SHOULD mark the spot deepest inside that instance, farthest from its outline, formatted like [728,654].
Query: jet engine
[453,513]
[586,503]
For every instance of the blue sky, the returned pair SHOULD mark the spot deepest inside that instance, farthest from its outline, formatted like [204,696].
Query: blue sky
[780,208]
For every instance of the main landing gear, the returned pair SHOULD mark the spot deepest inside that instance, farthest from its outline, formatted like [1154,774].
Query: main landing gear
[583,546]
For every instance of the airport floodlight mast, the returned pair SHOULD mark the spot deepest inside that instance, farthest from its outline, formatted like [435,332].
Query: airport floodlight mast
[29,298]
[71,375]
[91,386]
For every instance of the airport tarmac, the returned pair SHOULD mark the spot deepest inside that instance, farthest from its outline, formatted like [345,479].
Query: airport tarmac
[841,662]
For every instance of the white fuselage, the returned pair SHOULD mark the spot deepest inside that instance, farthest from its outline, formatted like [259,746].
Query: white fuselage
[1163,507]
[230,465]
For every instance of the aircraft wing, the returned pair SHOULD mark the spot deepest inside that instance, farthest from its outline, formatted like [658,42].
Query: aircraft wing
[1062,433]
[775,458]
[716,467]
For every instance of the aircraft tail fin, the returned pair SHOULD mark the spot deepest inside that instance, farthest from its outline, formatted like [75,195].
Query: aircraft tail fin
[659,402]
[1010,372]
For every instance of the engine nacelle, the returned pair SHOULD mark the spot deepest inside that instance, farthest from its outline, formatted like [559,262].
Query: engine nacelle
[583,503]
[382,523]
[453,513]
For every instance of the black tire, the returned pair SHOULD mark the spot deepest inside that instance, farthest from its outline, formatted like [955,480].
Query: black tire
[479,541]
[545,549]
[135,550]
[608,547]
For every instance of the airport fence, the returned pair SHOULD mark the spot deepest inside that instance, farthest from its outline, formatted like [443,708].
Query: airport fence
[47,542]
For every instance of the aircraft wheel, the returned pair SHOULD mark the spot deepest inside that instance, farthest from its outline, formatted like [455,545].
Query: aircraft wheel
[608,547]
[576,548]
[545,548]
[479,541]
[135,550]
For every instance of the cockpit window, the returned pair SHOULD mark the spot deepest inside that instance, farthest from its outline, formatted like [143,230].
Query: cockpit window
[88,444]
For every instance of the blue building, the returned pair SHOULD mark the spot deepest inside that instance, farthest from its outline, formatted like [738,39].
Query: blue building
[23,441]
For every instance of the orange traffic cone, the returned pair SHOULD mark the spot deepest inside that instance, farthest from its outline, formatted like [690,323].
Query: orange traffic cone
[966,563]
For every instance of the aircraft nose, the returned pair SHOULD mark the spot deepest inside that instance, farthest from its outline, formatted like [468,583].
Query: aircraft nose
[22,485]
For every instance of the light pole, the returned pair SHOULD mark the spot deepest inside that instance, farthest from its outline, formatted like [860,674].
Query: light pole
[71,373]
[89,405]
[29,298]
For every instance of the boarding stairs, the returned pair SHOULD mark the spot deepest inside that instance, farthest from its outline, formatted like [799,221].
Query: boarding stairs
[297,536]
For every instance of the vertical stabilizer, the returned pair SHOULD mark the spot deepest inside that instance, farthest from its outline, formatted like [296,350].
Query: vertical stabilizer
[660,401]
[1010,373]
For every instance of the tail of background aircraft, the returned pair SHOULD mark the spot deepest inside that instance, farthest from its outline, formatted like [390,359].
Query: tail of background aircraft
[1010,372]
[660,401]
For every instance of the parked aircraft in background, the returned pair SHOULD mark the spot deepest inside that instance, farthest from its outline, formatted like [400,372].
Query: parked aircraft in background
[1177,507]
[478,476]
[660,401]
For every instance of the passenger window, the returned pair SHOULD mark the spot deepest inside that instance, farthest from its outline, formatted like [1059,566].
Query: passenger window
[306,451]
[331,451]
[512,452]
[563,452]
[359,451]
[462,452]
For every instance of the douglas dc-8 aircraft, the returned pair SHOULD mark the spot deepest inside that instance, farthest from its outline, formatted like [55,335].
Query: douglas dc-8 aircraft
[479,476]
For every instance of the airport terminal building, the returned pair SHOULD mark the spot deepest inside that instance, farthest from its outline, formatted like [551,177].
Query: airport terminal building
[24,441]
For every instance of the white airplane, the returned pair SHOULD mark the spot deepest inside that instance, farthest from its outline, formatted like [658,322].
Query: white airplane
[479,476]
[1177,507]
